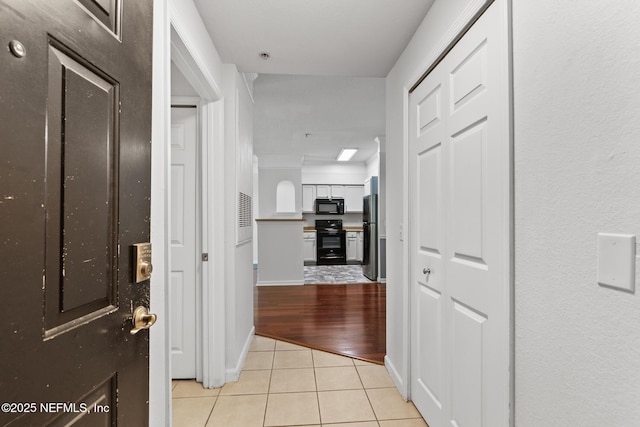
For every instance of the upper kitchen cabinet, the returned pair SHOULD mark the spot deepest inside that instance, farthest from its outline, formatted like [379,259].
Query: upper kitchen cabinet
[337,191]
[323,191]
[308,198]
[353,195]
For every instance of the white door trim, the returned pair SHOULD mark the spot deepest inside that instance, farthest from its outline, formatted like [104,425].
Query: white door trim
[455,31]
[159,339]
[211,318]
[169,25]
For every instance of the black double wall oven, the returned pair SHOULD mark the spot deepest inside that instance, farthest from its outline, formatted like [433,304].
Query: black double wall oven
[331,242]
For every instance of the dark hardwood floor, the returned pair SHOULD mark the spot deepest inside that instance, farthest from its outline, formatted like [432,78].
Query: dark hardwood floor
[342,319]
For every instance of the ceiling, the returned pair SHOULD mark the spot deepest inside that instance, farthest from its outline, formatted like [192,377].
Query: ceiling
[328,37]
[322,87]
[316,116]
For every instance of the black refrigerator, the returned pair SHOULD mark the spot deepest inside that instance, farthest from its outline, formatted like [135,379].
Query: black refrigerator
[370,237]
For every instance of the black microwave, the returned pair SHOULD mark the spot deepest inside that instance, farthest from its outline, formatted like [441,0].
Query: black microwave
[329,206]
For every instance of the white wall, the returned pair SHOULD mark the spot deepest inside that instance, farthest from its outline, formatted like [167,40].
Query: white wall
[373,166]
[280,244]
[238,177]
[334,173]
[268,181]
[577,156]
[256,207]
[443,17]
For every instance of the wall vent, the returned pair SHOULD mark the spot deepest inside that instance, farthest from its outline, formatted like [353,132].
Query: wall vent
[245,210]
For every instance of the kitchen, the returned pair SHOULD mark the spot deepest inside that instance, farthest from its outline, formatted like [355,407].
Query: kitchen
[340,227]
[333,231]
[307,197]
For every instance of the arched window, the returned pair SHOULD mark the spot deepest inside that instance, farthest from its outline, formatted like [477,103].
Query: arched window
[285,197]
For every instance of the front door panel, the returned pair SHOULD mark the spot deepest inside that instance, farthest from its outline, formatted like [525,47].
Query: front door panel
[74,198]
[81,202]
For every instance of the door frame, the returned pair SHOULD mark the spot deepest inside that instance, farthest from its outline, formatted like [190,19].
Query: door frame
[456,31]
[211,133]
[170,43]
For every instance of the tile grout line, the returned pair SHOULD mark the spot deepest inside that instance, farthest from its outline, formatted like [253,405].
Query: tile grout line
[273,363]
[367,394]
[315,379]
[215,402]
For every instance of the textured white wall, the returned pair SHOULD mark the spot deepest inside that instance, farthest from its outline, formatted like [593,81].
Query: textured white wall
[577,160]
[239,177]
[280,245]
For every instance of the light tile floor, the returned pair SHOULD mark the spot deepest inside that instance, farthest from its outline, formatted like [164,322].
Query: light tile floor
[284,384]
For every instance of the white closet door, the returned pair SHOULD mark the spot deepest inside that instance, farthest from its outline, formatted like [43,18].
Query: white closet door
[459,154]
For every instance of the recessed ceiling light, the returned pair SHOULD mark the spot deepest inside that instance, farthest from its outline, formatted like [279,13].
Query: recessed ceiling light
[264,55]
[346,154]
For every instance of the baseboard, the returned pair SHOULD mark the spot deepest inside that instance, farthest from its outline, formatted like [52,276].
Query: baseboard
[280,283]
[396,377]
[232,375]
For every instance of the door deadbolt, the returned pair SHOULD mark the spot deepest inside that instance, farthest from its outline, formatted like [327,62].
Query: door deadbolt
[142,262]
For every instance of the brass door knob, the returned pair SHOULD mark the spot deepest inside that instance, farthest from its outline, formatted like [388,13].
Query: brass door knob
[142,319]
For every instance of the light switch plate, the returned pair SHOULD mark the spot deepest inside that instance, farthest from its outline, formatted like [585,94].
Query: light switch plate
[617,261]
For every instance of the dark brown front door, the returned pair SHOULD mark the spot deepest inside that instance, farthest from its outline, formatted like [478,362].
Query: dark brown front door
[75,133]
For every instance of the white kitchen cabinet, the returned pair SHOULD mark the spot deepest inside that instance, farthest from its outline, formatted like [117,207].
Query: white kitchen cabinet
[337,191]
[353,195]
[323,191]
[360,246]
[309,246]
[308,198]
[352,246]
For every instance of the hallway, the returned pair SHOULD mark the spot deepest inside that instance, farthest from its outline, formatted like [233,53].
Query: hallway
[287,385]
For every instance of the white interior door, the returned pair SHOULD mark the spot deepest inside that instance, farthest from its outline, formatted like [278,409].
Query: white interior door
[460,162]
[183,241]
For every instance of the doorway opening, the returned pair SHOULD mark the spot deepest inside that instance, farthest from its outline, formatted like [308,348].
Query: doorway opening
[197,286]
